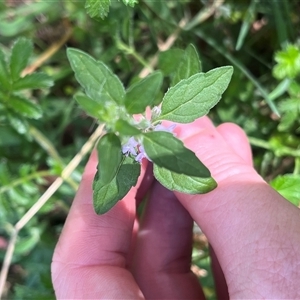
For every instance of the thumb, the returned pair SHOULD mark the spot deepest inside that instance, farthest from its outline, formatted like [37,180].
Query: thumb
[243,218]
[228,157]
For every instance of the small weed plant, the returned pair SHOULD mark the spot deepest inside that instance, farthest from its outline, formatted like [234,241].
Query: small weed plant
[137,69]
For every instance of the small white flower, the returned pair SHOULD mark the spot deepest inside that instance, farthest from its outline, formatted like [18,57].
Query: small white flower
[142,154]
[160,127]
[155,112]
[130,147]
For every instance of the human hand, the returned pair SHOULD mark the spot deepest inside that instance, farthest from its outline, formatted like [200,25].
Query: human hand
[254,232]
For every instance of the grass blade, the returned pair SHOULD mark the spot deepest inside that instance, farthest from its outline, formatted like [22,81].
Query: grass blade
[210,41]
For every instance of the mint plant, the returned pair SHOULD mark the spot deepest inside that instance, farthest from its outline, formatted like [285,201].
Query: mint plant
[287,69]
[127,39]
[131,137]
[100,8]
[15,101]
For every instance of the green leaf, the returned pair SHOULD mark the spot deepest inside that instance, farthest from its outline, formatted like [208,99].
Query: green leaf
[289,105]
[109,156]
[246,25]
[8,138]
[280,89]
[90,106]
[107,195]
[287,120]
[127,176]
[189,65]
[168,152]
[5,83]
[294,89]
[130,2]
[167,60]
[24,107]
[124,128]
[288,62]
[289,109]
[143,93]
[193,97]
[20,55]
[95,77]
[33,81]
[104,112]
[17,122]
[288,186]
[183,183]
[238,64]
[97,8]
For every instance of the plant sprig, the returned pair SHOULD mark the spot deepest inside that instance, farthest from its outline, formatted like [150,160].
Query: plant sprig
[100,8]
[131,139]
[14,97]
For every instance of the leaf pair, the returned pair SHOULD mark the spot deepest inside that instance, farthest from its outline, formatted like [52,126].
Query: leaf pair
[10,73]
[116,174]
[105,95]
[194,93]
[192,98]
[17,105]
[175,166]
[180,64]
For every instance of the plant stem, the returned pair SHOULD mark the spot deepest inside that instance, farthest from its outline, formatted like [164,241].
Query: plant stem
[210,41]
[131,51]
[42,200]
[29,177]
[47,145]
[283,151]
[297,166]
[203,15]
[49,52]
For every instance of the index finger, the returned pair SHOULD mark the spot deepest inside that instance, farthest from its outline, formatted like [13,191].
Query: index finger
[91,255]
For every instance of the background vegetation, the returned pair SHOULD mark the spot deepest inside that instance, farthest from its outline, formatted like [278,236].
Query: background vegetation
[42,128]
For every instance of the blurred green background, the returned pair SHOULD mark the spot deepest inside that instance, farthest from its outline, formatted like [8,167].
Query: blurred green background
[42,128]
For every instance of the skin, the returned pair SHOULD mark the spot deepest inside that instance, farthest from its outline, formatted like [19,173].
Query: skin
[254,232]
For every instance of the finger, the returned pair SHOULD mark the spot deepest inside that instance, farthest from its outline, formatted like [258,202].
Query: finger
[163,249]
[145,182]
[143,188]
[214,148]
[90,258]
[237,140]
[219,278]
[240,218]
[225,166]
[188,130]
[236,137]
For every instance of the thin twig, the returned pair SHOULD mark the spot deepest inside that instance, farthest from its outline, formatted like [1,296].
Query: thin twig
[48,53]
[46,144]
[56,184]
[204,14]
[278,151]
[34,175]
[184,24]
[42,200]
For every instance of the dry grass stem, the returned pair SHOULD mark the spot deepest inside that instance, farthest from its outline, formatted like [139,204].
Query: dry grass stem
[163,47]
[86,148]
[48,53]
